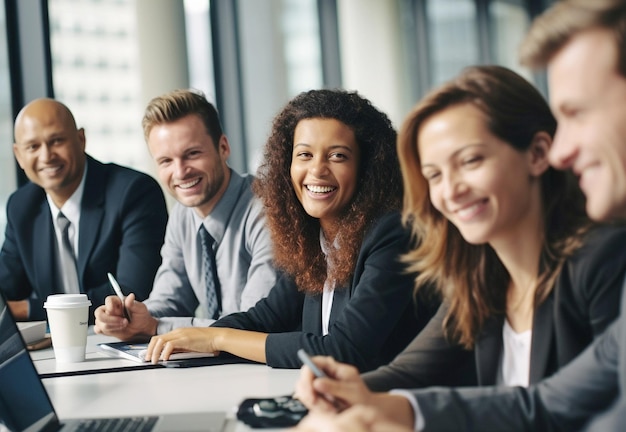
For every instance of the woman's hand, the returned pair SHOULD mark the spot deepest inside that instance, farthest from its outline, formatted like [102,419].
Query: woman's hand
[342,389]
[181,340]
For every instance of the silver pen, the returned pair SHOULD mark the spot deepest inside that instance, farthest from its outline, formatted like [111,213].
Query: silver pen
[118,291]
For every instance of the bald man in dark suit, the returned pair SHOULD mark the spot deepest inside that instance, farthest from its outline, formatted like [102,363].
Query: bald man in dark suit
[117,218]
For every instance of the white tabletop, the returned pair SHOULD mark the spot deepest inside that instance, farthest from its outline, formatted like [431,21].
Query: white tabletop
[154,391]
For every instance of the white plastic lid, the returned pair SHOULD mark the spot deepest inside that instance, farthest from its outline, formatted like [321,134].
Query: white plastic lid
[64,301]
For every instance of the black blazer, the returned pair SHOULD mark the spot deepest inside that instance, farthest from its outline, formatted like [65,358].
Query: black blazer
[588,394]
[371,320]
[582,304]
[122,225]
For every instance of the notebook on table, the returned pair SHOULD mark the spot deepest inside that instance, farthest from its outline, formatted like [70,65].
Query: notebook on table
[26,406]
[137,352]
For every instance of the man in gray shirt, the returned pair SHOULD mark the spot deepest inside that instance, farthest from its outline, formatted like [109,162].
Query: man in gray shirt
[217,256]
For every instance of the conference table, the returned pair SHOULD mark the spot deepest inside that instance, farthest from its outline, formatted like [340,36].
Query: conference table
[103,386]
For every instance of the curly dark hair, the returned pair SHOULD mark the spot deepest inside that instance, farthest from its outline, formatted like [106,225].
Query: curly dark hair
[295,234]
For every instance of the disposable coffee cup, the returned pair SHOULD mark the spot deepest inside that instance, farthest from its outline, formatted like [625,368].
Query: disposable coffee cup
[68,318]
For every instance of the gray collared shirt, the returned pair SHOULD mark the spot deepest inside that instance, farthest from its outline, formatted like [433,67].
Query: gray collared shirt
[243,255]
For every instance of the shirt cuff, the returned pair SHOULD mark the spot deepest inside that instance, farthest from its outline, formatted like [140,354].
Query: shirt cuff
[167,324]
[419,419]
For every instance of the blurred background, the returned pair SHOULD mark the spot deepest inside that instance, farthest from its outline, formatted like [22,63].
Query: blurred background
[105,59]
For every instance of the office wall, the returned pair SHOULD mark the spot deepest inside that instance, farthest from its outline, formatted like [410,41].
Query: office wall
[371,54]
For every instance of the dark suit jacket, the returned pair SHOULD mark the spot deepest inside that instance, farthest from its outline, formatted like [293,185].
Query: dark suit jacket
[587,390]
[371,320]
[587,394]
[583,303]
[122,225]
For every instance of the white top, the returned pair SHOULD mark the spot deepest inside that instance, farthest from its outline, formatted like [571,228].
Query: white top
[327,305]
[329,290]
[515,360]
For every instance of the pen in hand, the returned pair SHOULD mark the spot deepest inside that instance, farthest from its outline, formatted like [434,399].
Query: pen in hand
[306,360]
[118,291]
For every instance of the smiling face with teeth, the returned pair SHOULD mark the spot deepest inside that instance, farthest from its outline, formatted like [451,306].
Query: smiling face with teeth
[488,189]
[324,169]
[49,148]
[189,165]
[587,94]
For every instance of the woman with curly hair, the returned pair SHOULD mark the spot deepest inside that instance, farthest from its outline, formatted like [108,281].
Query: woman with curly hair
[331,187]
[527,280]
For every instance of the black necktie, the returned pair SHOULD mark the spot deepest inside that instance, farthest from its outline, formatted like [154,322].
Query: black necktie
[67,257]
[210,273]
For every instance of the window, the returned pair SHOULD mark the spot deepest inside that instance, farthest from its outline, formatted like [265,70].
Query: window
[280,57]
[96,72]
[7,161]
[453,37]
[110,57]
[510,22]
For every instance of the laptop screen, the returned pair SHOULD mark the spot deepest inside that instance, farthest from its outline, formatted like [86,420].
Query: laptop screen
[24,403]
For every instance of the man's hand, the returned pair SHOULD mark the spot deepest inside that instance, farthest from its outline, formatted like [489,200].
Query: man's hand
[19,309]
[110,319]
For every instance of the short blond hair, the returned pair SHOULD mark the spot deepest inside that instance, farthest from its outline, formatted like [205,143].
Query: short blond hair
[557,25]
[177,104]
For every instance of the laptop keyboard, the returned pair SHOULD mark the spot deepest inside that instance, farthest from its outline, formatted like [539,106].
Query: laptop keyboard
[130,424]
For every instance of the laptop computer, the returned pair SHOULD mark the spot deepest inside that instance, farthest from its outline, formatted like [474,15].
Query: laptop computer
[26,406]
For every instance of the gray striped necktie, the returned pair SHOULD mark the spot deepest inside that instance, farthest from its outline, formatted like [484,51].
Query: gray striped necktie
[67,258]
[209,271]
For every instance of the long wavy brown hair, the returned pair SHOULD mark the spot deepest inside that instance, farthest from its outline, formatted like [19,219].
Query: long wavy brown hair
[471,277]
[295,234]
